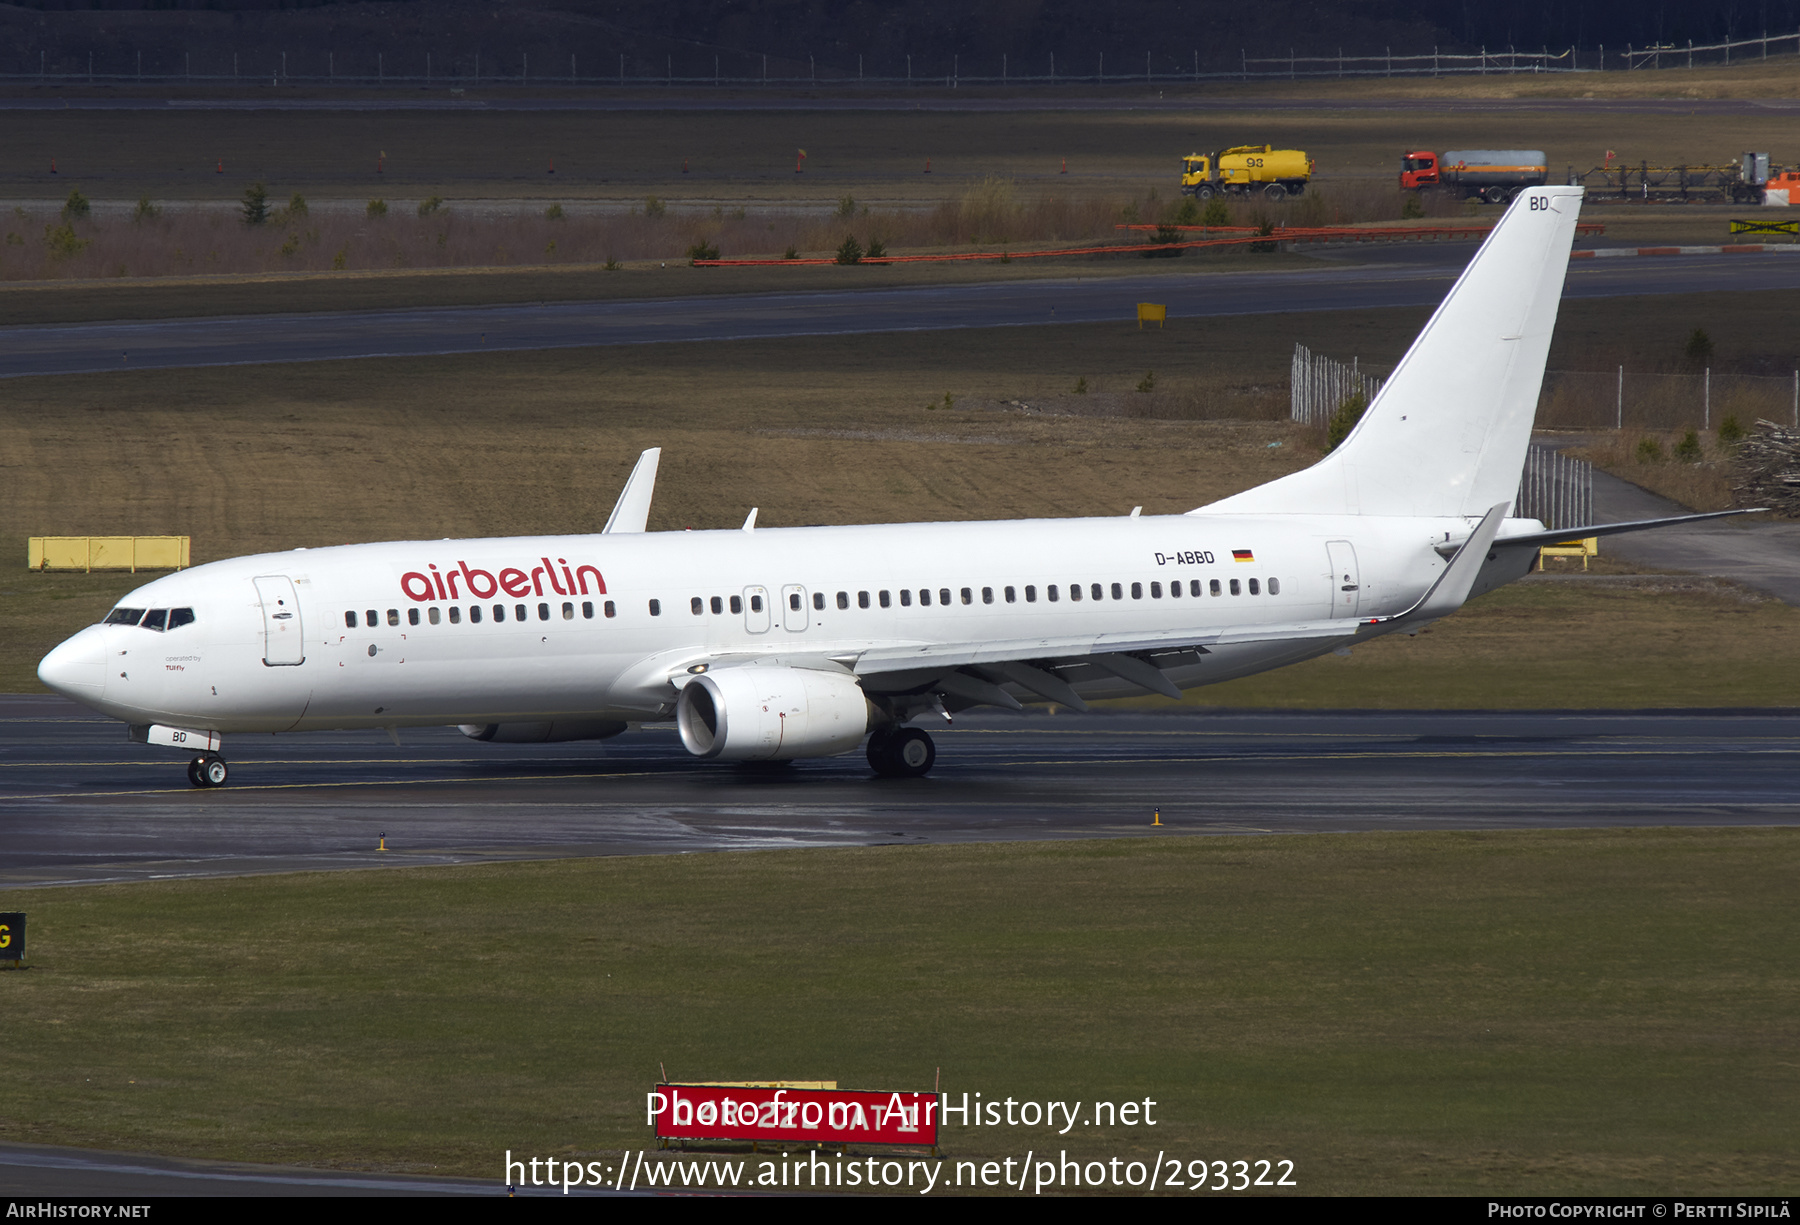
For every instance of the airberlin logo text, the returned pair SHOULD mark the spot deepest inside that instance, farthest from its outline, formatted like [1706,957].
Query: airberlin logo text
[483,585]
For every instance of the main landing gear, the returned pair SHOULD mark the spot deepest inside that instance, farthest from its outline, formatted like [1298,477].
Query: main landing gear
[207,771]
[901,752]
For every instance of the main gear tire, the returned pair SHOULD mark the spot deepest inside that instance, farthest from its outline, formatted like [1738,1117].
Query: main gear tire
[905,752]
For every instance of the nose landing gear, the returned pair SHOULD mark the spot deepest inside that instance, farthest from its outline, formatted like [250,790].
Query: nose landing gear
[902,752]
[207,771]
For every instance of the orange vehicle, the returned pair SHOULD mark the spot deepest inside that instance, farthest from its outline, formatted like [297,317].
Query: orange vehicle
[1494,175]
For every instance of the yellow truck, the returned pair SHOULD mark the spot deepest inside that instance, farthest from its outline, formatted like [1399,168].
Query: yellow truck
[1246,170]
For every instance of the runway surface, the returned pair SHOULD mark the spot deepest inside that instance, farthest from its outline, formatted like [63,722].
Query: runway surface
[79,803]
[1416,277]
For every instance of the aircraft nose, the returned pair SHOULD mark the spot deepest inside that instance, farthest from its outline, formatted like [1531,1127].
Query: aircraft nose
[77,668]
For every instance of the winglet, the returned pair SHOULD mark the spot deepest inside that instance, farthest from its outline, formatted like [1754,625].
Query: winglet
[632,511]
[1458,579]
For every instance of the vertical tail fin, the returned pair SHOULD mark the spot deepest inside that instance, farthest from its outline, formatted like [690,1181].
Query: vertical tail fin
[1448,432]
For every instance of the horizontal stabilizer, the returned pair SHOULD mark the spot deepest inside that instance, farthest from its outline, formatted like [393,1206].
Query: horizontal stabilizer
[1541,539]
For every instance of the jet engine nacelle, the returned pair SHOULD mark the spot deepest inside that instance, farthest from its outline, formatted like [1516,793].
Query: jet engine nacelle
[542,733]
[759,712]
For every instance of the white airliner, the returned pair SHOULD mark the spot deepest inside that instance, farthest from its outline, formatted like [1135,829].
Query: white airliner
[773,644]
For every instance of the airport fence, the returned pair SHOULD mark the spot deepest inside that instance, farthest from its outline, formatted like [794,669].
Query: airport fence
[583,65]
[1617,399]
[1319,386]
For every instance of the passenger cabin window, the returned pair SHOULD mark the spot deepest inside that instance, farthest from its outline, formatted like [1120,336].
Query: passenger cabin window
[862,599]
[656,608]
[718,606]
[431,614]
[924,597]
[521,613]
[884,599]
[1156,591]
[369,618]
[499,612]
[737,603]
[1075,592]
[987,595]
[1030,594]
[843,600]
[412,616]
[180,616]
[1098,592]
[587,610]
[819,600]
[944,596]
[1254,590]
[544,612]
[474,614]
[698,605]
[905,598]
[755,603]
[1175,590]
[1012,596]
[455,614]
[1274,586]
[1137,591]
[156,619]
[1234,587]
[794,600]
[349,620]
[1214,585]
[1050,593]
[968,597]
[393,616]
[131,616]
[1194,588]
[1118,592]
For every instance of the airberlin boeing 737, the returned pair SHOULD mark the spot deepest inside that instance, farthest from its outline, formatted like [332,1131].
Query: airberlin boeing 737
[773,644]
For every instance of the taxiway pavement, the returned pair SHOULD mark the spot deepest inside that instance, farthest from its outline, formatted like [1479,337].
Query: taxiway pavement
[1413,277]
[79,803]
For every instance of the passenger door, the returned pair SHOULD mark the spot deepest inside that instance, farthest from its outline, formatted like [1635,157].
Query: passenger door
[284,640]
[756,610]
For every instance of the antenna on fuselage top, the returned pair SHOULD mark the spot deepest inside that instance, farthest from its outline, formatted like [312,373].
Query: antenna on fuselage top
[632,510]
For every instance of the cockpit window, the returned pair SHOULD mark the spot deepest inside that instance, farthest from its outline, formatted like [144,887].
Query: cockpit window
[124,616]
[156,619]
[180,616]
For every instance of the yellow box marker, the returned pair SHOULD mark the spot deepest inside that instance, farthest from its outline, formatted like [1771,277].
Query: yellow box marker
[92,553]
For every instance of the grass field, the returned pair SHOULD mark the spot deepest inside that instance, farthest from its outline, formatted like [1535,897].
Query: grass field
[1454,1014]
[746,157]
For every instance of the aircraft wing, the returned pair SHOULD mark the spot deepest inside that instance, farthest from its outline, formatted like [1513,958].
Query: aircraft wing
[906,658]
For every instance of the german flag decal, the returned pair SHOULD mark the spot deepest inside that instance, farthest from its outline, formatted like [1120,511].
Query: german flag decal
[1242,555]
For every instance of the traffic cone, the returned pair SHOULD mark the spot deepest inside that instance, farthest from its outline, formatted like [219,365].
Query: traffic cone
[1065,168]
[221,169]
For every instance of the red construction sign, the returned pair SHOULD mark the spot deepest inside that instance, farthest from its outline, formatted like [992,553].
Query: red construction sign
[830,1116]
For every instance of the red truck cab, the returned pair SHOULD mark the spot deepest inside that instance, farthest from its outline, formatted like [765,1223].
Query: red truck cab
[1418,170]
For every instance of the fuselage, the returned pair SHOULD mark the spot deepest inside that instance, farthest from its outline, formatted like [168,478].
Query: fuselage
[560,627]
